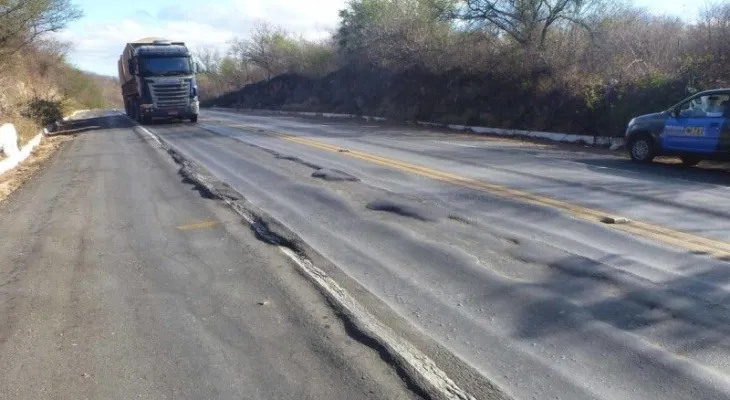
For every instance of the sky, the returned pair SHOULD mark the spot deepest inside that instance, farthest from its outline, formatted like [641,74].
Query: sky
[99,37]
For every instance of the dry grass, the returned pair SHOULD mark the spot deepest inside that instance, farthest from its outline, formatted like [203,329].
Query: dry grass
[26,128]
[15,178]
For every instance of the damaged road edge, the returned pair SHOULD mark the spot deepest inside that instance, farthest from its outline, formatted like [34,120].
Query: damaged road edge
[417,367]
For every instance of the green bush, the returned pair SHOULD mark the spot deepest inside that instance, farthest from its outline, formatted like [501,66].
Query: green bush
[43,112]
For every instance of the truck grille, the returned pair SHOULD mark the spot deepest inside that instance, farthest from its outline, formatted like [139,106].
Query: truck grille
[175,95]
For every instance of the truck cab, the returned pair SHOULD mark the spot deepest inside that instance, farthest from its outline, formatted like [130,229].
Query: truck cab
[158,81]
[695,129]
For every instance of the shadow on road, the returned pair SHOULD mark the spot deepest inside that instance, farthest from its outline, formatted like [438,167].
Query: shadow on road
[91,124]
[687,314]
[712,172]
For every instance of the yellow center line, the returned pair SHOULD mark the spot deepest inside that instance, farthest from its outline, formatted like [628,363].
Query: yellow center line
[198,225]
[675,238]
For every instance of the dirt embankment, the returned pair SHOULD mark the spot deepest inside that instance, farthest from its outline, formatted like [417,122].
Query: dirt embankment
[459,98]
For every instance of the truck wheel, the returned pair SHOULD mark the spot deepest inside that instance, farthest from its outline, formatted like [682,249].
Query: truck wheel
[135,111]
[690,161]
[194,118]
[641,149]
[138,113]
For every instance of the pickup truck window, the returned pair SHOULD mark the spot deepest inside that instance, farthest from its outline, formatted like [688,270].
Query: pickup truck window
[165,66]
[708,106]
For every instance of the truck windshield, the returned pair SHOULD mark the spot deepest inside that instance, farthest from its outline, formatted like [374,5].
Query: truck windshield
[165,66]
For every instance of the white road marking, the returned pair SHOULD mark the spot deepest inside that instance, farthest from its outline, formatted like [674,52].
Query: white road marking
[408,355]
[456,144]
[412,358]
[142,128]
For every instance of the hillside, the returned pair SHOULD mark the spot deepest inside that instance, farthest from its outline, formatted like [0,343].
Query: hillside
[37,83]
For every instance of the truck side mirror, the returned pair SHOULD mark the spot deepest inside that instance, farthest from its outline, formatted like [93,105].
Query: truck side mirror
[199,69]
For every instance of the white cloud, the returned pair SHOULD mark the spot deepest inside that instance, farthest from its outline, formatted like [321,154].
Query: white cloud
[96,45]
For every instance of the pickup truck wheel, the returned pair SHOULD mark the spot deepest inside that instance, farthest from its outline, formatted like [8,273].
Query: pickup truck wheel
[194,118]
[641,149]
[690,161]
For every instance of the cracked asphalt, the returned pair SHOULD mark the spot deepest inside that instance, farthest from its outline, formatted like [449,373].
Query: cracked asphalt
[544,304]
[117,276]
[118,280]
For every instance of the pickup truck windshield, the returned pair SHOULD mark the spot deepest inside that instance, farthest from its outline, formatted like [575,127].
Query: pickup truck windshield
[160,66]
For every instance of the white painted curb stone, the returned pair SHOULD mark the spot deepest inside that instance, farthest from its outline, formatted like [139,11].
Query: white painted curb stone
[15,159]
[615,143]
[9,140]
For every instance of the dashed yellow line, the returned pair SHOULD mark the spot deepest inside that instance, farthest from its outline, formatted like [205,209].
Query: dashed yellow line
[674,238]
[198,225]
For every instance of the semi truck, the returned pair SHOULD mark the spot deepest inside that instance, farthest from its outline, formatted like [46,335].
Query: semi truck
[158,80]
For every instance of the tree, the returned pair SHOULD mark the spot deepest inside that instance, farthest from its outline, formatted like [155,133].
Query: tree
[316,57]
[236,72]
[393,32]
[527,22]
[209,58]
[357,23]
[267,48]
[23,21]
[276,51]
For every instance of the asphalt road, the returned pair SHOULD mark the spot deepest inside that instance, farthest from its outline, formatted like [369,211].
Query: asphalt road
[119,280]
[545,304]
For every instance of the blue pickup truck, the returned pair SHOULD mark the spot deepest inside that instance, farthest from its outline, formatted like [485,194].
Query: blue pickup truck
[695,129]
